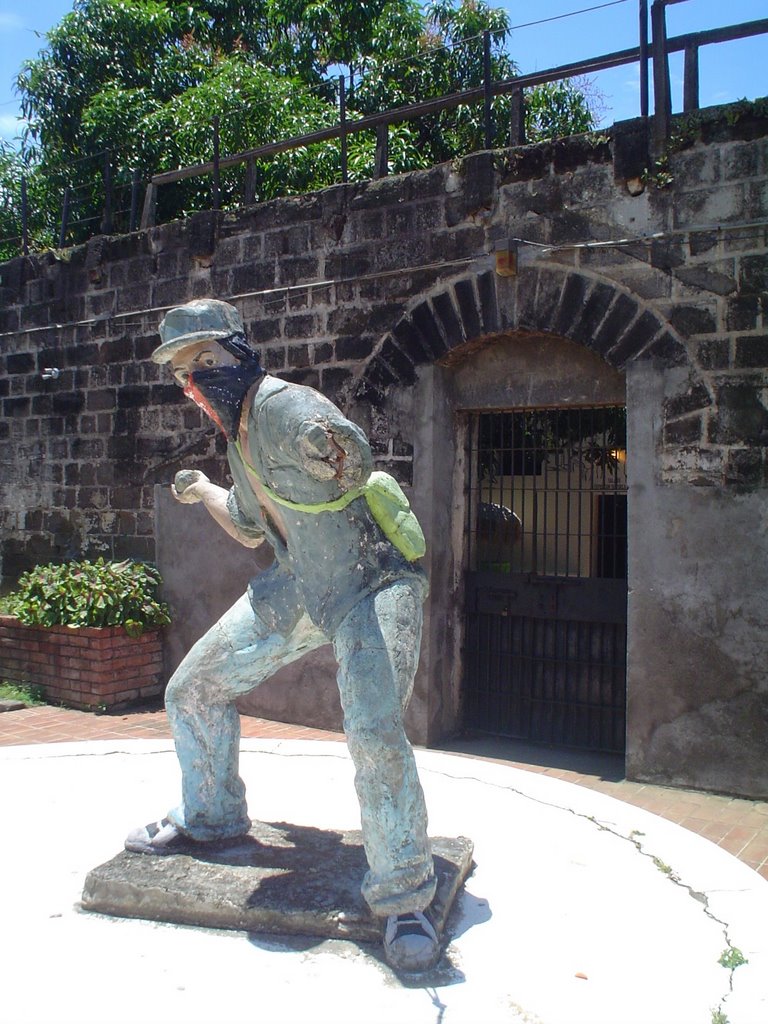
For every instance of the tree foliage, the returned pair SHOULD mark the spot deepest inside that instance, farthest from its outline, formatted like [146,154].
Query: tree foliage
[142,80]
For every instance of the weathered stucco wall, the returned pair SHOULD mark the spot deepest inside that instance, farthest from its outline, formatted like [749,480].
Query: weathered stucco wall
[698,699]
[385,296]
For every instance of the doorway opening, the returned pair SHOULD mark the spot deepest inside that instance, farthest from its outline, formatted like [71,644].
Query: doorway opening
[546,581]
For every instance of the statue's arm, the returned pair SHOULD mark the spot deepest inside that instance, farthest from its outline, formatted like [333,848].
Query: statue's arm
[192,486]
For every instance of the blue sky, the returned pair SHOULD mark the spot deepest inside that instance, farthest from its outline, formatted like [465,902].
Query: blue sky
[729,71]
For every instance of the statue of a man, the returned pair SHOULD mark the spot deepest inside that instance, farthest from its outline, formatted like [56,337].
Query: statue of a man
[299,469]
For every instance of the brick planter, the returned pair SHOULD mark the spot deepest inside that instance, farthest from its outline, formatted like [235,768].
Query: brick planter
[82,667]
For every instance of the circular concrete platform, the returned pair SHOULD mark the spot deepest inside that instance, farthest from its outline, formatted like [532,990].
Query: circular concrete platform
[581,908]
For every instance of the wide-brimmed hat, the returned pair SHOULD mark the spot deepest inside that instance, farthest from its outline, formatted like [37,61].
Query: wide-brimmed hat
[199,320]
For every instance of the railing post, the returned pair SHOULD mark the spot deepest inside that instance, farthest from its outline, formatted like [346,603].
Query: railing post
[691,79]
[64,219]
[216,168]
[662,111]
[487,90]
[516,118]
[24,216]
[135,186]
[106,220]
[150,206]
[381,162]
[250,182]
[343,123]
[643,42]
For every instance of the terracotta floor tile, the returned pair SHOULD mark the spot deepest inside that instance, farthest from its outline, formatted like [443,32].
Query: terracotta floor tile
[715,830]
[756,849]
[697,825]
[735,841]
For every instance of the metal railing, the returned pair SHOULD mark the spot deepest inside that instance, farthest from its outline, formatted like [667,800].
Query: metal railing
[653,51]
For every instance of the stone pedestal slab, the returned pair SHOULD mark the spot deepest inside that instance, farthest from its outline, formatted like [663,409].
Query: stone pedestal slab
[280,878]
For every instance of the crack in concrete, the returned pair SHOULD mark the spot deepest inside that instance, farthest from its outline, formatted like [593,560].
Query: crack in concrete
[633,838]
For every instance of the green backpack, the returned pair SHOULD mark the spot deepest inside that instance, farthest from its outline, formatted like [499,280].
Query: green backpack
[386,500]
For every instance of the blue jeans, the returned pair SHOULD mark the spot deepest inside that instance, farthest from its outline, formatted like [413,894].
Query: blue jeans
[377,649]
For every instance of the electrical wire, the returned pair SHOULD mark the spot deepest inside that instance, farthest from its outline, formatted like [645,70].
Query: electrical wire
[545,247]
[307,286]
[568,14]
[280,289]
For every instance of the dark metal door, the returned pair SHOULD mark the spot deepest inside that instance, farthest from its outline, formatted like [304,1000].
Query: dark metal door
[546,589]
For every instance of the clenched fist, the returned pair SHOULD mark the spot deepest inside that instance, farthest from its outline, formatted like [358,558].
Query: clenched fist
[186,486]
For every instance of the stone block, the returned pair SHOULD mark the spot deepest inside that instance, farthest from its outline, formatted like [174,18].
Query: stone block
[397,361]
[714,354]
[292,240]
[752,351]
[590,186]
[702,241]
[571,225]
[707,206]
[414,219]
[741,313]
[424,321]
[571,305]
[695,167]
[478,172]
[489,310]
[525,163]
[753,276]
[742,160]
[448,318]
[593,313]
[744,469]
[410,341]
[695,398]
[467,303]
[20,362]
[742,418]
[574,152]
[334,381]
[281,878]
[527,283]
[639,335]
[707,279]
[688,320]
[353,347]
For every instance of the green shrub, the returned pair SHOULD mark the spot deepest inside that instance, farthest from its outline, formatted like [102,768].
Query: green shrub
[90,594]
[30,695]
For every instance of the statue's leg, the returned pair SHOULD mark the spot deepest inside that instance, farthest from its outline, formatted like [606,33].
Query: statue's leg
[377,647]
[230,660]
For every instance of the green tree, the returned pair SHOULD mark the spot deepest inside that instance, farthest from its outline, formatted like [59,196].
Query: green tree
[11,169]
[40,200]
[141,80]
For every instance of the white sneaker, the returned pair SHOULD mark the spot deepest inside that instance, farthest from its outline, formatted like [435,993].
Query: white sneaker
[410,942]
[158,837]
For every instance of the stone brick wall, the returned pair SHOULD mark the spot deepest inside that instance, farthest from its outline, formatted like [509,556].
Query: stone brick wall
[352,289]
[375,293]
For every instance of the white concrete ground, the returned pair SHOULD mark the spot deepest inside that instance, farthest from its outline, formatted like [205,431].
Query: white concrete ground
[581,910]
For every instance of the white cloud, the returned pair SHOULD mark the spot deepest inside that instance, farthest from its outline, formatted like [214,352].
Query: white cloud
[10,22]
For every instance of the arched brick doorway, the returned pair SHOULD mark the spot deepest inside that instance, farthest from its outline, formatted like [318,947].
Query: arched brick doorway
[554,337]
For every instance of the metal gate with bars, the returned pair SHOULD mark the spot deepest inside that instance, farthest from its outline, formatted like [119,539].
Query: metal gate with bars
[546,586]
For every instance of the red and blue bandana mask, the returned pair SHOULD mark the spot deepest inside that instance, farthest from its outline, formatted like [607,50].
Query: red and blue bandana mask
[220,390]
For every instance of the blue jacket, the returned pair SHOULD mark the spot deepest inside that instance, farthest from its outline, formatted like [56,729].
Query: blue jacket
[306,451]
